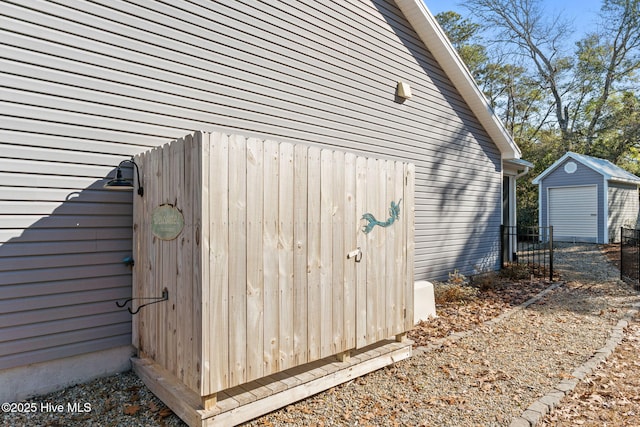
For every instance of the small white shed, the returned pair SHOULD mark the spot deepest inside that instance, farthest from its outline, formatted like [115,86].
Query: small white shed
[587,199]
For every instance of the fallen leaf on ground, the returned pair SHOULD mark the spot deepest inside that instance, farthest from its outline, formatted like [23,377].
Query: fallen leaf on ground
[131,409]
[165,412]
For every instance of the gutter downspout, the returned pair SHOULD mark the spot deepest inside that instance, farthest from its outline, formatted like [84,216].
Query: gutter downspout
[527,169]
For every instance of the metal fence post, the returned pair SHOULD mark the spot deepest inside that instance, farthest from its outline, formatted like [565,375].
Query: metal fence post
[502,245]
[621,251]
[551,253]
[637,266]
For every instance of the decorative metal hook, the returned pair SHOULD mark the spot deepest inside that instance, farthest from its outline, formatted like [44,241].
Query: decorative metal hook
[140,188]
[164,297]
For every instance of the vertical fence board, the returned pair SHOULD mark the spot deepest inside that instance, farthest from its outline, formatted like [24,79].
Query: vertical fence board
[139,254]
[199,257]
[382,238]
[362,303]
[187,357]
[149,265]
[338,253]
[270,256]
[398,251]
[285,255]
[351,230]
[389,301]
[216,322]
[205,170]
[154,336]
[168,264]
[255,277]
[237,260]
[171,280]
[313,262]
[152,340]
[409,230]
[165,260]
[373,268]
[183,286]
[164,334]
[300,294]
[326,251]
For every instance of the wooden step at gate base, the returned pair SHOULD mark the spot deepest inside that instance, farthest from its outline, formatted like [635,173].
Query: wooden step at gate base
[251,400]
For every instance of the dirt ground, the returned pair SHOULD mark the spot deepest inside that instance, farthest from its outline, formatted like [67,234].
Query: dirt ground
[612,252]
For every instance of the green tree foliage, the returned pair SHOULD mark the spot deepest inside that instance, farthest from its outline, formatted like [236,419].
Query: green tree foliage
[619,58]
[552,93]
[533,40]
[461,33]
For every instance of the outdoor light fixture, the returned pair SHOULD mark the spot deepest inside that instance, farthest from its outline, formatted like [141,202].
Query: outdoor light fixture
[119,183]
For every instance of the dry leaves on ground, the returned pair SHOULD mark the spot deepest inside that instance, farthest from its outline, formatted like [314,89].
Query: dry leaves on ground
[467,313]
[612,253]
[611,395]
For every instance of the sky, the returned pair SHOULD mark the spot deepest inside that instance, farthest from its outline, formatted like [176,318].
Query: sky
[583,12]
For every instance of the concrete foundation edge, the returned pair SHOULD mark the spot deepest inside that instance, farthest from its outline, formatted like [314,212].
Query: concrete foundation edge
[22,382]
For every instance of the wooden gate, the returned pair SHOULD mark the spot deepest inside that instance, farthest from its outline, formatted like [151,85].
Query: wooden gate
[271,268]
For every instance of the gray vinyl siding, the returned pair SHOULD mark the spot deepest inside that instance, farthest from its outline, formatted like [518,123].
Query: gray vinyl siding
[581,177]
[623,208]
[84,85]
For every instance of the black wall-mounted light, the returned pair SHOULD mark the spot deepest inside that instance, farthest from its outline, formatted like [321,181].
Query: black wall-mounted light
[119,183]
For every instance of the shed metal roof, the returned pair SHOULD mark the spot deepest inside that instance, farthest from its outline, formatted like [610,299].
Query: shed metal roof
[604,167]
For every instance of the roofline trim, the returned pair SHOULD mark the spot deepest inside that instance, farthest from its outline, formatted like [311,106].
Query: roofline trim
[434,37]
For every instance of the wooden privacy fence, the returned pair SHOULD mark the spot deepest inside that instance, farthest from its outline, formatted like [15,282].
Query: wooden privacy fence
[262,251]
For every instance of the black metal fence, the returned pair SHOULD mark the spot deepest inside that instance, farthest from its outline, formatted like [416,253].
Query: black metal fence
[630,256]
[531,246]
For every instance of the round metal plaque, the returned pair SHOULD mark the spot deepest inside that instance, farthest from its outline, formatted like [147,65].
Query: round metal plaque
[166,222]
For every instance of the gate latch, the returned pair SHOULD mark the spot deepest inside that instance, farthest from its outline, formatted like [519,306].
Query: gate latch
[356,254]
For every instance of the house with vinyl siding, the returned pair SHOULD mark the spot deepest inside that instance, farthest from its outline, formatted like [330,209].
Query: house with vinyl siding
[85,85]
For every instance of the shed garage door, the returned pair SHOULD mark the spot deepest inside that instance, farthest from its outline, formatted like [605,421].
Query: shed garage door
[573,213]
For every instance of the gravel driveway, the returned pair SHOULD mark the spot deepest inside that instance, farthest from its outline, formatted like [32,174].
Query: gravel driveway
[487,376]
[583,263]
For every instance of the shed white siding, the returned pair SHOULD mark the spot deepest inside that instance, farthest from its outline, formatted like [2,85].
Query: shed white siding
[623,208]
[87,84]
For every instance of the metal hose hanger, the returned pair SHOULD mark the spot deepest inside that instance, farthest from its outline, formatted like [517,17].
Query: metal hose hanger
[164,297]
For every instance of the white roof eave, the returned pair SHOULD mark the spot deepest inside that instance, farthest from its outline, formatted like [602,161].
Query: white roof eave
[578,158]
[520,163]
[625,181]
[433,36]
